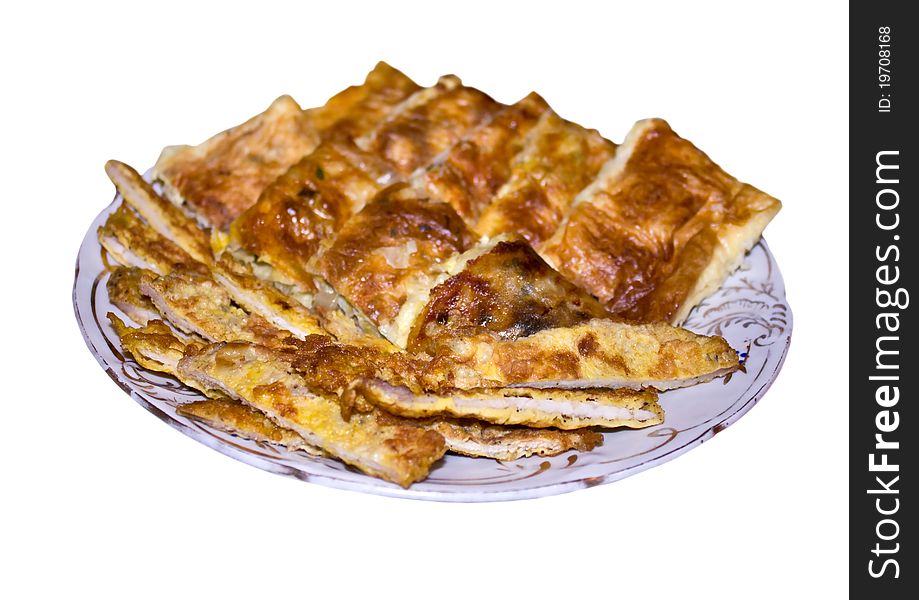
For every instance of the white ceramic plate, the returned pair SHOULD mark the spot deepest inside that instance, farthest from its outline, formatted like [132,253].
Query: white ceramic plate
[750,311]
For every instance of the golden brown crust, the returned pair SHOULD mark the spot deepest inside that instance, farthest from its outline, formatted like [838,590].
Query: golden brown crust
[133,244]
[161,215]
[564,409]
[234,417]
[123,288]
[195,303]
[306,205]
[154,346]
[394,449]
[262,298]
[474,438]
[331,366]
[429,124]
[508,291]
[315,197]
[140,243]
[475,168]
[390,250]
[641,237]
[353,111]
[223,176]
[598,353]
[558,160]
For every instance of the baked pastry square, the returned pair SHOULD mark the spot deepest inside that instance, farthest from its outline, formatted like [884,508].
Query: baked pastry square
[660,228]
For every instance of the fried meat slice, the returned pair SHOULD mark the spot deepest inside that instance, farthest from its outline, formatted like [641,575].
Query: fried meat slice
[473,170]
[152,244]
[502,287]
[195,303]
[558,160]
[378,444]
[564,409]
[263,299]
[232,416]
[659,229]
[388,256]
[474,438]
[598,353]
[123,288]
[156,348]
[181,274]
[162,216]
[128,239]
[220,178]
[427,123]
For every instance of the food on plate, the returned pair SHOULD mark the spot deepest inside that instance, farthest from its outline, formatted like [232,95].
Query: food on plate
[387,257]
[156,347]
[501,287]
[565,409]
[123,288]
[223,176]
[408,271]
[239,419]
[474,169]
[660,227]
[478,439]
[558,160]
[130,242]
[427,123]
[383,445]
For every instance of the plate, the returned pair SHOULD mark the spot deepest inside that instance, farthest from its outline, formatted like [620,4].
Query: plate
[749,310]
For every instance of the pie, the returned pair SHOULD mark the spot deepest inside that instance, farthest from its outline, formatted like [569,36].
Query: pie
[408,271]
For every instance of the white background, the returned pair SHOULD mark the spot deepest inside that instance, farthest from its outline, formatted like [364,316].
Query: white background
[101,499]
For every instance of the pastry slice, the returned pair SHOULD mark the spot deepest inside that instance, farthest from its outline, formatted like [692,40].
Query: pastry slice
[387,257]
[355,110]
[473,170]
[263,299]
[558,160]
[660,228]
[427,123]
[312,200]
[162,216]
[306,205]
[232,416]
[500,287]
[474,438]
[220,178]
[156,348]
[378,444]
[123,288]
[128,239]
[594,354]
[195,303]
[135,243]
[564,409]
